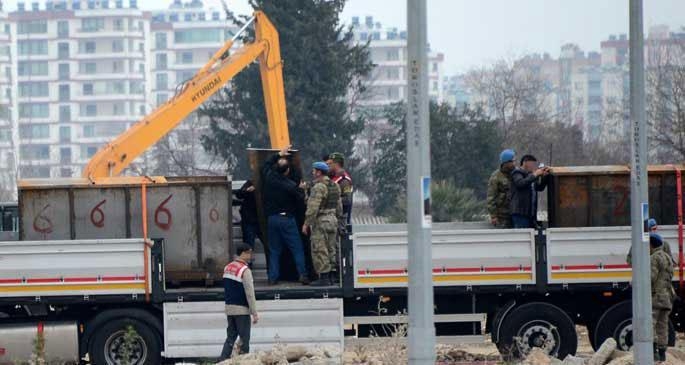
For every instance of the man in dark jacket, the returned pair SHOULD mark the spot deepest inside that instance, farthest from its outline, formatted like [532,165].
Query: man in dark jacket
[282,197]
[249,224]
[526,181]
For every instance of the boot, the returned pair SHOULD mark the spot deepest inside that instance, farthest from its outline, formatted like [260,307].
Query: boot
[662,353]
[304,280]
[323,280]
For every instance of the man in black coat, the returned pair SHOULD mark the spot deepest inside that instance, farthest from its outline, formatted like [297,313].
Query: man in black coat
[526,181]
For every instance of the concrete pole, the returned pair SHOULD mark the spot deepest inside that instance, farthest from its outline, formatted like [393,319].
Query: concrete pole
[639,212]
[421,328]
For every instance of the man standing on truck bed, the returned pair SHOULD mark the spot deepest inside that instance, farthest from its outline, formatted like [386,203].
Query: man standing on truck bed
[336,163]
[324,209]
[662,294]
[240,301]
[249,223]
[282,196]
[499,191]
[526,182]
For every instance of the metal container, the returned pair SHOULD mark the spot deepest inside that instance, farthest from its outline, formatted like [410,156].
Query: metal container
[192,214]
[593,196]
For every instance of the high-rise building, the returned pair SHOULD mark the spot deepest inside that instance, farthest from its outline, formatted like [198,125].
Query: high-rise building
[183,38]
[81,75]
[8,108]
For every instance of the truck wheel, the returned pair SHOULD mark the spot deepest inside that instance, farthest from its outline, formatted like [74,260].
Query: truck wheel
[617,322]
[540,325]
[113,342]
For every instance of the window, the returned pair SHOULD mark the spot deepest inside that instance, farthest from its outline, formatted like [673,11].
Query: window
[64,71]
[141,110]
[117,66]
[34,110]
[118,24]
[141,47]
[92,24]
[34,131]
[392,55]
[435,86]
[183,76]
[33,47]
[118,108]
[5,135]
[188,17]
[376,36]
[136,87]
[64,113]
[435,67]
[160,40]
[35,152]
[89,130]
[86,47]
[65,134]
[25,68]
[87,89]
[161,61]
[162,98]
[64,93]
[141,68]
[162,81]
[88,151]
[33,89]
[63,50]
[32,27]
[118,45]
[140,25]
[63,29]
[187,57]
[87,67]
[393,93]
[88,110]
[65,171]
[34,171]
[65,152]
[115,87]
[363,36]
[198,35]
[392,73]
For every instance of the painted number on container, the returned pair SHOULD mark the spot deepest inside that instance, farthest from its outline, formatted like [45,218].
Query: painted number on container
[97,216]
[162,211]
[2,351]
[41,223]
[214,214]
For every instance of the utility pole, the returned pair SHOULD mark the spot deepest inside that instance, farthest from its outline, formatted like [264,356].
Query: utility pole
[639,204]
[421,328]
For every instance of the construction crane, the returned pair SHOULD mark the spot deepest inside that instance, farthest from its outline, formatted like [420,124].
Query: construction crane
[111,160]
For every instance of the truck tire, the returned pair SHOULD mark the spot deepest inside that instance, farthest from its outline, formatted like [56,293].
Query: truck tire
[537,324]
[108,344]
[617,322]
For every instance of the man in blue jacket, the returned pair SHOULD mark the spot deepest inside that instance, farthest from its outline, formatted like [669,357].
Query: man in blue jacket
[526,181]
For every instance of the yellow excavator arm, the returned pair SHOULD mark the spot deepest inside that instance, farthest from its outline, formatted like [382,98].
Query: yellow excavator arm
[112,159]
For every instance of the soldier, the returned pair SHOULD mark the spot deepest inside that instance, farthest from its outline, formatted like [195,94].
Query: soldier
[653,227]
[499,191]
[336,163]
[324,208]
[662,294]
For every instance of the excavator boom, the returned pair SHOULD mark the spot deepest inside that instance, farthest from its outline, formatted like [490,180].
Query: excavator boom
[112,159]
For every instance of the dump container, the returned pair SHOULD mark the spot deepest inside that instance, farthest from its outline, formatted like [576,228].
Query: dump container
[192,214]
[592,196]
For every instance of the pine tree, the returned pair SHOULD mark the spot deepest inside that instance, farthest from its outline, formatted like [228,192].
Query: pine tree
[322,69]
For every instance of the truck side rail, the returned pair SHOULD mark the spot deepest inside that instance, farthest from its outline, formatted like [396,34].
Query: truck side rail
[74,267]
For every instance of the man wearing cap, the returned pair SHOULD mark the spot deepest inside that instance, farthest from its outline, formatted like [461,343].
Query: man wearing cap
[663,293]
[653,227]
[499,191]
[336,163]
[324,209]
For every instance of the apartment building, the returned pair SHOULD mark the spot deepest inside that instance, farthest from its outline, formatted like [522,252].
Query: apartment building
[183,38]
[81,75]
[8,108]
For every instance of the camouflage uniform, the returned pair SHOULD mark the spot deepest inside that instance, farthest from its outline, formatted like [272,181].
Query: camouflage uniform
[499,198]
[343,179]
[324,208]
[662,293]
[667,249]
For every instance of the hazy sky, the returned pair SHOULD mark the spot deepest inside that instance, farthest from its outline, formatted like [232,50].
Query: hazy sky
[474,32]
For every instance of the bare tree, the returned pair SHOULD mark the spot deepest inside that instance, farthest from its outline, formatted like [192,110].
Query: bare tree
[666,99]
[511,91]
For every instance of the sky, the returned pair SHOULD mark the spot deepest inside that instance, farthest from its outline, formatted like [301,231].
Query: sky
[474,33]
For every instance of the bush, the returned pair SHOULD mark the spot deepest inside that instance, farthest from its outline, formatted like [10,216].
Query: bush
[449,204]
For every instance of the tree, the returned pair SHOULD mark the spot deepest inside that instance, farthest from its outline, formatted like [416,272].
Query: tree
[666,100]
[449,204]
[464,149]
[322,70]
